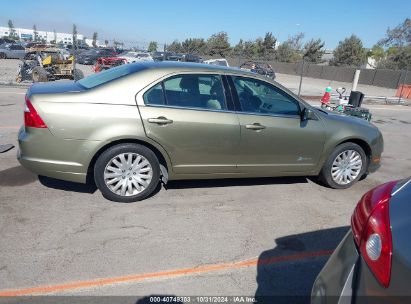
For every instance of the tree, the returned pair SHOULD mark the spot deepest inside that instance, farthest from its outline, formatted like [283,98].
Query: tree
[12,30]
[398,36]
[269,44]
[106,42]
[396,59]
[194,46]
[152,47]
[74,36]
[258,48]
[218,44]
[398,41]
[313,51]
[249,49]
[94,43]
[377,53]
[116,43]
[175,47]
[238,49]
[35,33]
[285,52]
[349,52]
[291,49]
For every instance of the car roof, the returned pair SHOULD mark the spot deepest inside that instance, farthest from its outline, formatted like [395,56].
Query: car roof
[177,66]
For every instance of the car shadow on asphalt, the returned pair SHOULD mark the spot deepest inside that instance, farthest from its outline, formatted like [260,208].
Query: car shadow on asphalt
[89,187]
[16,176]
[286,273]
[230,182]
[49,182]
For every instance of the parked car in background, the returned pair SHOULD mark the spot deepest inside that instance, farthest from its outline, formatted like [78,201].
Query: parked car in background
[191,58]
[132,56]
[152,122]
[5,40]
[79,48]
[167,56]
[91,56]
[263,69]
[372,264]
[105,63]
[219,61]
[12,51]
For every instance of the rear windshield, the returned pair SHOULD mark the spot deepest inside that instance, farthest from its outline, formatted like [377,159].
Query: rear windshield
[110,74]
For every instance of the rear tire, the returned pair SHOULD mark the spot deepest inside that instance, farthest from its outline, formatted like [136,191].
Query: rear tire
[39,74]
[345,166]
[127,173]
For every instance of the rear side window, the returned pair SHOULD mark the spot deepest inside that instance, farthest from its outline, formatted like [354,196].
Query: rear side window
[189,91]
[97,79]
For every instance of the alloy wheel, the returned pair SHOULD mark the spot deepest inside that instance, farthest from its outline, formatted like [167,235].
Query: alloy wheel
[346,167]
[128,174]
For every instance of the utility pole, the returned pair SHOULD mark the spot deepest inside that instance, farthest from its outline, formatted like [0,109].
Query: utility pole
[301,76]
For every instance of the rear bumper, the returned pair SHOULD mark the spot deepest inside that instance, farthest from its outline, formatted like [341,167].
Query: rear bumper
[44,154]
[334,284]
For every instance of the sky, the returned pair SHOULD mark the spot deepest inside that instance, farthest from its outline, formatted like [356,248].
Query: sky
[138,22]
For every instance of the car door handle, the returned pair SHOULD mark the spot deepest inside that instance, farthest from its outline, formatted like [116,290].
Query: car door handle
[255,126]
[160,120]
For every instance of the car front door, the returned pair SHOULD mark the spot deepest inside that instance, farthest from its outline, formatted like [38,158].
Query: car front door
[274,139]
[189,117]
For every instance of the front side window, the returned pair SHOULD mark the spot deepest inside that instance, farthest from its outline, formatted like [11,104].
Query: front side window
[190,91]
[257,96]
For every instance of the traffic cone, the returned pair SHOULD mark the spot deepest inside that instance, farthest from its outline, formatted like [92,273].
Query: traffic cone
[327,95]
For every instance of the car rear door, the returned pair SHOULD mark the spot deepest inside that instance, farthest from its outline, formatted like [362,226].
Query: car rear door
[274,140]
[188,114]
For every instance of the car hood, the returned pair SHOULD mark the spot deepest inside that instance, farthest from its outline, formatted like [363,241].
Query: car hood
[343,118]
[55,88]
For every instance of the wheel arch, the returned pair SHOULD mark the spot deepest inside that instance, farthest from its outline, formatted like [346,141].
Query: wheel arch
[161,158]
[362,143]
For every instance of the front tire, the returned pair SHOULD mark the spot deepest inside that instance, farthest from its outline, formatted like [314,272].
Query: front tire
[127,173]
[345,166]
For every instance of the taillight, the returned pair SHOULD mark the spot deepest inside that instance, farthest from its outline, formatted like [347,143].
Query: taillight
[31,118]
[372,231]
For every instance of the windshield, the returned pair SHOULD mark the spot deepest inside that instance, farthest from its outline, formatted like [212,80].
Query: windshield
[109,75]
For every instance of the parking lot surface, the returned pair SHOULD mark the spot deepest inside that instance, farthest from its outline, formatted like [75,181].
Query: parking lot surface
[223,237]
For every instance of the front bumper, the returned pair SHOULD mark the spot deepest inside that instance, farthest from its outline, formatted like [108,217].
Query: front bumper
[334,282]
[377,147]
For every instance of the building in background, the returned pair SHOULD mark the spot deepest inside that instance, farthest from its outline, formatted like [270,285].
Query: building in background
[89,42]
[46,36]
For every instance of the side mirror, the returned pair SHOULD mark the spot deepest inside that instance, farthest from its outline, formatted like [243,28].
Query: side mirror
[307,114]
